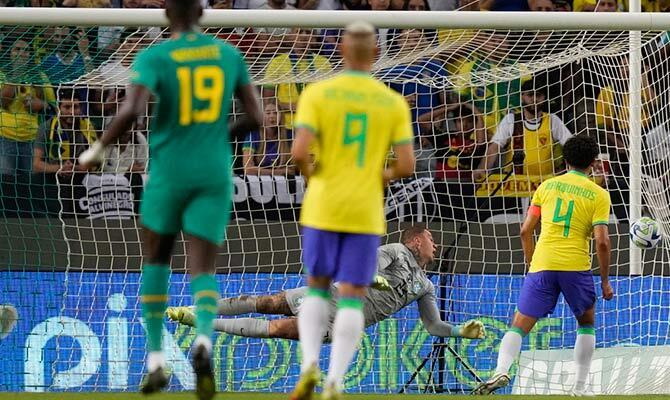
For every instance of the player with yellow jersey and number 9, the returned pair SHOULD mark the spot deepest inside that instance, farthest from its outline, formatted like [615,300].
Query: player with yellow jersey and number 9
[192,77]
[353,120]
[572,209]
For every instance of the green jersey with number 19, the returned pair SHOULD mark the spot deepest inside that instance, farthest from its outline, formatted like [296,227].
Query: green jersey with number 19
[193,78]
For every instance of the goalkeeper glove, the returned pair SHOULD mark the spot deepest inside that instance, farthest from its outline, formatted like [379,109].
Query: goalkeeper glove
[183,315]
[380,283]
[93,156]
[472,329]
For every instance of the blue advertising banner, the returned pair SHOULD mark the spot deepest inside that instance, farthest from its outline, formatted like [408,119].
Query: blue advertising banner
[83,332]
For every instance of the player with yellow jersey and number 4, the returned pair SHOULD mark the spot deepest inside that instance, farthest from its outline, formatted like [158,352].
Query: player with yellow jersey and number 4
[572,209]
[353,120]
[192,77]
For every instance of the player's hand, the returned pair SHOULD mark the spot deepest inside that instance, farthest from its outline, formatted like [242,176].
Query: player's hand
[380,283]
[472,329]
[608,292]
[93,156]
[183,315]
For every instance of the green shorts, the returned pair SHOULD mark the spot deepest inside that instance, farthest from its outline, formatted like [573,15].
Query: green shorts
[203,212]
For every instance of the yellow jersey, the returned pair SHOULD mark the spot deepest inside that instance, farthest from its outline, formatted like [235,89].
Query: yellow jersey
[355,119]
[571,205]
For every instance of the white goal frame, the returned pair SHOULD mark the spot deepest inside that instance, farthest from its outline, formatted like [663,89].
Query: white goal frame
[633,21]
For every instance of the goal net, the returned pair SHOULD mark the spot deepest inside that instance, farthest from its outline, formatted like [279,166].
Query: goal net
[490,111]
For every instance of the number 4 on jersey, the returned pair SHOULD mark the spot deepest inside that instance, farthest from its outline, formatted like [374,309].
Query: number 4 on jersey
[565,218]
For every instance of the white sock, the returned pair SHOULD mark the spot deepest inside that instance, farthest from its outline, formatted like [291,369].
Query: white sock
[312,325]
[509,350]
[347,331]
[585,345]
[155,359]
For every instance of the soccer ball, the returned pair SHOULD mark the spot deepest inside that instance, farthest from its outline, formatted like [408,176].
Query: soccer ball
[645,233]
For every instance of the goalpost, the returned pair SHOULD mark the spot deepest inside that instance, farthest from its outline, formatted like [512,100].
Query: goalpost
[71,246]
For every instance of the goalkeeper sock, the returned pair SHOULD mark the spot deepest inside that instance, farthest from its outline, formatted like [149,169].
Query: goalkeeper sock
[509,350]
[205,294]
[312,324]
[237,305]
[585,345]
[249,327]
[347,331]
[154,296]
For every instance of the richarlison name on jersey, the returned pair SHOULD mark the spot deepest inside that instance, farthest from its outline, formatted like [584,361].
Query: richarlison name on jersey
[211,52]
[357,96]
[571,189]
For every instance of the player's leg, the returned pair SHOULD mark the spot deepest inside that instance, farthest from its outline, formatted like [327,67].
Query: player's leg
[273,304]
[154,296]
[537,299]
[320,252]
[579,292]
[204,221]
[356,269]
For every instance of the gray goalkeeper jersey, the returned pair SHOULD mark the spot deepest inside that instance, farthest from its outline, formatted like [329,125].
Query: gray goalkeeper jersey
[397,264]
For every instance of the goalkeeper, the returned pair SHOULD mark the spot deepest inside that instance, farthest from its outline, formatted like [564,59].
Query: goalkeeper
[401,280]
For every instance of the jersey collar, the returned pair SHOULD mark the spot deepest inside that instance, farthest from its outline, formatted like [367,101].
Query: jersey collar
[574,171]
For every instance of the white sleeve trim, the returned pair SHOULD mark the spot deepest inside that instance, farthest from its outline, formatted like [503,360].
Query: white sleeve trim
[559,131]
[504,131]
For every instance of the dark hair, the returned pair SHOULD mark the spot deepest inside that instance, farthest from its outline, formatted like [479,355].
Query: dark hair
[580,151]
[410,233]
[66,94]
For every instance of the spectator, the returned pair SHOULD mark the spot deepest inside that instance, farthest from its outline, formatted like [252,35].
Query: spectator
[562,5]
[63,138]
[421,96]
[533,131]
[307,4]
[541,5]
[129,154]
[21,106]
[265,4]
[416,5]
[496,98]
[87,3]
[504,5]
[267,152]
[293,69]
[459,144]
[595,5]
[71,58]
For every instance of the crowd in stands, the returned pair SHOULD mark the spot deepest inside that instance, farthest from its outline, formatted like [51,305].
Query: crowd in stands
[467,131]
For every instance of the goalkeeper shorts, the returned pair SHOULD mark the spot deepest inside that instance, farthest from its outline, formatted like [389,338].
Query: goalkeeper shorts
[540,291]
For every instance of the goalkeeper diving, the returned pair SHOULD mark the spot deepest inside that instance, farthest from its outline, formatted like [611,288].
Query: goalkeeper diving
[401,279]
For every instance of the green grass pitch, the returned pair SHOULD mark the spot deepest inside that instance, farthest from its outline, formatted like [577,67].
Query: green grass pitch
[282,396]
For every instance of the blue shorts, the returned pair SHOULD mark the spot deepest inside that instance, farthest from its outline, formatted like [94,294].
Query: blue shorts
[343,257]
[540,291]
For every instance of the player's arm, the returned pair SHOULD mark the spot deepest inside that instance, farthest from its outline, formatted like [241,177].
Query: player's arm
[403,147]
[430,317]
[603,249]
[135,105]
[252,117]
[527,229]
[300,151]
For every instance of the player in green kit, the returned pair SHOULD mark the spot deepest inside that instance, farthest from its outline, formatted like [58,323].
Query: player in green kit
[193,78]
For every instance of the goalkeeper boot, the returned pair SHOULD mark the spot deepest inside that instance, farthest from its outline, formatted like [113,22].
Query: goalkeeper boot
[183,315]
[154,381]
[205,386]
[306,384]
[498,381]
[331,392]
